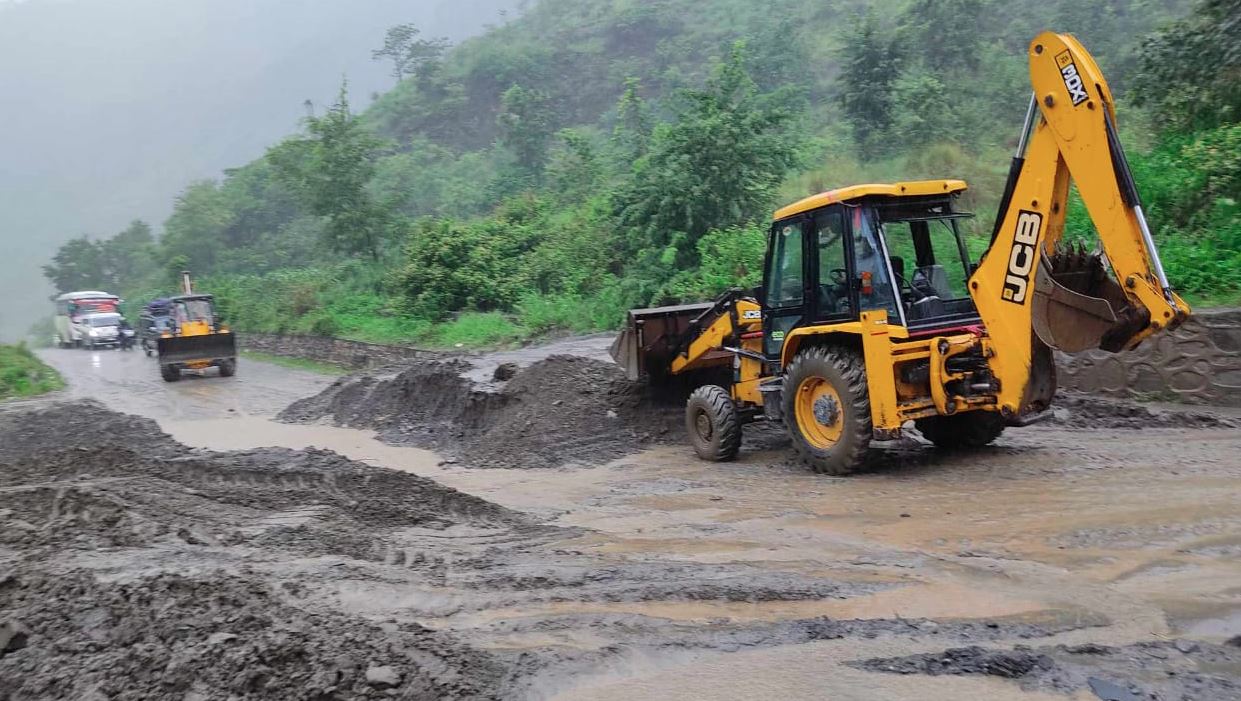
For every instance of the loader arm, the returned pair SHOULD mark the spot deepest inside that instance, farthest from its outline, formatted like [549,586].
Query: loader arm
[1029,291]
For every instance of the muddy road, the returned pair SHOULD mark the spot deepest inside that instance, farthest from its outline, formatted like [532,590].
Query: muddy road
[1090,558]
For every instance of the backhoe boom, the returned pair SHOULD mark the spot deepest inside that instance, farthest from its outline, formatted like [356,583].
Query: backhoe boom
[1029,288]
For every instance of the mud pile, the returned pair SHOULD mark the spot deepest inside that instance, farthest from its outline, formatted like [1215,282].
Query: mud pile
[561,410]
[1178,669]
[92,530]
[214,636]
[111,494]
[1075,410]
[313,501]
[84,424]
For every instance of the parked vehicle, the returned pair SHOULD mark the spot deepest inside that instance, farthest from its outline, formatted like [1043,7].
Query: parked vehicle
[102,330]
[154,321]
[72,310]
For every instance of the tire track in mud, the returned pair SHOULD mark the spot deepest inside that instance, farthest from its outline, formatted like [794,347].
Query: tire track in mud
[187,574]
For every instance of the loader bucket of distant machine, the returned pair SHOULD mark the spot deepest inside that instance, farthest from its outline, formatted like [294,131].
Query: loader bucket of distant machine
[651,338]
[1077,306]
[191,350]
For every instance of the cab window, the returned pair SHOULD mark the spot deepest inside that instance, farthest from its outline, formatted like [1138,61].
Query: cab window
[786,277]
[871,272]
[834,297]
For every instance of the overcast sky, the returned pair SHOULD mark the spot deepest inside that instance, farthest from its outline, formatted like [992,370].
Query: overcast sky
[110,107]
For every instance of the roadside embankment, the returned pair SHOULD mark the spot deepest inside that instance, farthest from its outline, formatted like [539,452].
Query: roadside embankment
[24,375]
[1198,363]
[334,351]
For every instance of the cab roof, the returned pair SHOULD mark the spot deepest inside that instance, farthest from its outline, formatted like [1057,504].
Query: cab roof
[913,188]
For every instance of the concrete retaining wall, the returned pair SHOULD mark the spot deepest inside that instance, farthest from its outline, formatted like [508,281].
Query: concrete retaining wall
[1199,363]
[349,354]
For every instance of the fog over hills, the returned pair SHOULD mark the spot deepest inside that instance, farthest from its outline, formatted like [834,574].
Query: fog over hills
[110,107]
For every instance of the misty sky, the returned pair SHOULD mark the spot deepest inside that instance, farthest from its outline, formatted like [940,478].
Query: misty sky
[110,107]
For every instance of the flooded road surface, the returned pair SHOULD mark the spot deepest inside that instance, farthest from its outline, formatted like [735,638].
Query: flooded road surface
[1110,537]
[129,381]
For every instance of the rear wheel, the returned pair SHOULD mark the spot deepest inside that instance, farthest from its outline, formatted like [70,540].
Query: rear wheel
[228,368]
[713,424]
[827,409]
[970,430]
[170,373]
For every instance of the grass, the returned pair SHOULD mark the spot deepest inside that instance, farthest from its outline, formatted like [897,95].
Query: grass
[306,364]
[476,330]
[24,375]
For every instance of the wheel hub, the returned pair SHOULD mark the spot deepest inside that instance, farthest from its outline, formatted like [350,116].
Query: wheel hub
[826,410]
[703,424]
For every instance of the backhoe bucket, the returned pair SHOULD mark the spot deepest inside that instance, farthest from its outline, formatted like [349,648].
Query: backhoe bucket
[1077,306]
[186,350]
[652,337]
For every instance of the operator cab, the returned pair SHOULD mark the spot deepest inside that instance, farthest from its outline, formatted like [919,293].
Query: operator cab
[896,248]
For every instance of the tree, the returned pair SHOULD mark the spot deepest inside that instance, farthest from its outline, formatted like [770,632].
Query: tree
[946,33]
[127,256]
[195,227]
[868,71]
[716,166]
[1191,71]
[75,266]
[631,134]
[525,122]
[331,170]
[410,56]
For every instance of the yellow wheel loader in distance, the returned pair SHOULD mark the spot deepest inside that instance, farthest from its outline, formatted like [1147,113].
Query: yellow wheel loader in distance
[873,315]
[196,338]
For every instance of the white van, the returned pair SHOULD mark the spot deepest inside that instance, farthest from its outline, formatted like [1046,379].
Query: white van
[73,309]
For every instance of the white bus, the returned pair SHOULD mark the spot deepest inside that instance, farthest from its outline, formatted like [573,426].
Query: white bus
[74,311]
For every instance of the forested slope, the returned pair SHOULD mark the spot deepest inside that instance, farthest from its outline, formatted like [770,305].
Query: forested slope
[592,155]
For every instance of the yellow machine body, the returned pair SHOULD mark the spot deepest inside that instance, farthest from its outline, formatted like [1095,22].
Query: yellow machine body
[851,377]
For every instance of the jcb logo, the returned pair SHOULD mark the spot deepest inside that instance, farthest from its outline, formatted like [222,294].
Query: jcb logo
[1021,258]
[1072,79]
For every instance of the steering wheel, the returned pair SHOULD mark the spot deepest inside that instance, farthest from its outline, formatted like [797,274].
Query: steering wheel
[839,276]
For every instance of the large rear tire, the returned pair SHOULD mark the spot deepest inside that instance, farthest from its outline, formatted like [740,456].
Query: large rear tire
[228,368]
[961,431]
[713,424]
[827,409]
[170,373]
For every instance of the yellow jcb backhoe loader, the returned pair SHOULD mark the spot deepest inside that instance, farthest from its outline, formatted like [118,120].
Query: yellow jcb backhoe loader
[872,314]
[196,339]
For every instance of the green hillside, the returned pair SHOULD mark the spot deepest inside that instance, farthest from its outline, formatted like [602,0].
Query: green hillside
[593,155]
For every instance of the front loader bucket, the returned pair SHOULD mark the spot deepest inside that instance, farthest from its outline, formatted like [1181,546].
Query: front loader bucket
[182,350]
[652,337]
[1077,306]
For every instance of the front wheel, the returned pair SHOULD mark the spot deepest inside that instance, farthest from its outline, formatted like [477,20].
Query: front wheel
[961,431]
[827,409]
[228,368]
[170,373]
[713,424]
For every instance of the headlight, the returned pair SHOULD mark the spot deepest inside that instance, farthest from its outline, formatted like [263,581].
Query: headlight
[94,332]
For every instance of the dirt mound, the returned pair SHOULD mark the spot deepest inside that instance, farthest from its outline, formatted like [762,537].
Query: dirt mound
[313,501]
[216,636]
[561,410]
[1177,669]
[1087,412]
[85,424]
